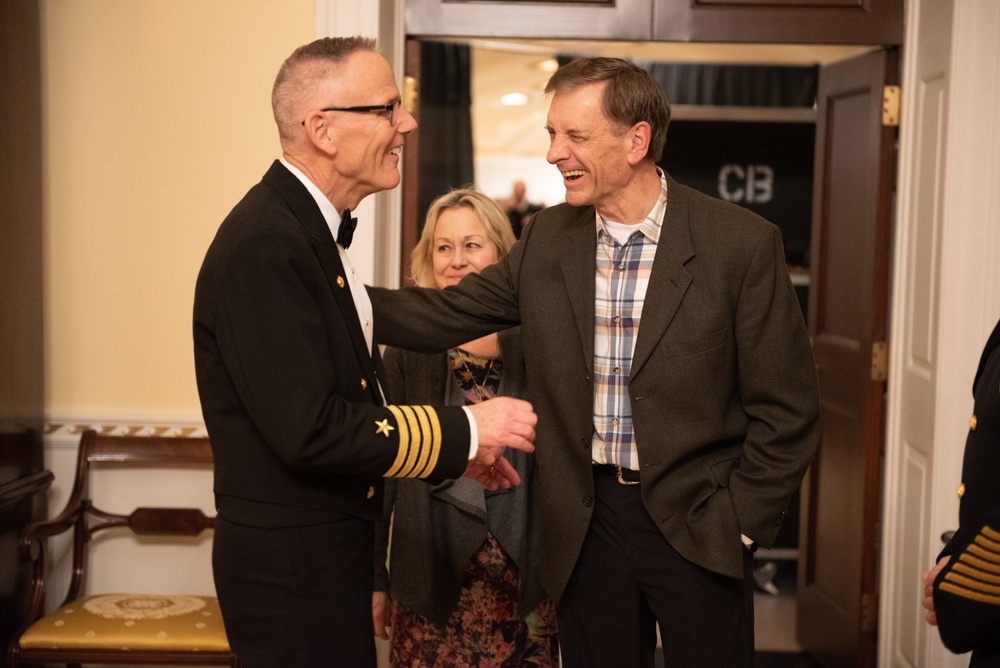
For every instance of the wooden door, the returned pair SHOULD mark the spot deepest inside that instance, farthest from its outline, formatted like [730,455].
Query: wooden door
[848,316]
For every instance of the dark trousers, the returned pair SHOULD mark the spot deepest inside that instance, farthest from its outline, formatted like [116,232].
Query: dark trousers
[297,597]
[628,578]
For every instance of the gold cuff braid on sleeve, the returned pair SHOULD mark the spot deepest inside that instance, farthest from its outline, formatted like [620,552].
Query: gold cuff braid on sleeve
[419,441]
[976,573]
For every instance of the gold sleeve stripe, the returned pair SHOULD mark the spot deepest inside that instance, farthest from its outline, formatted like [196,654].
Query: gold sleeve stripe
[966,569]
[960,580]
[420,440]
[979,564]
[417,467]
[991,533]
[979,551]
[969,594]
[986,543]
[416,442]
[436,439]
[431,430]
[404,442]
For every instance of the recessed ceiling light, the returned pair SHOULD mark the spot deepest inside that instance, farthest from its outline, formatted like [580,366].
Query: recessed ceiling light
[547,65]
[514,100]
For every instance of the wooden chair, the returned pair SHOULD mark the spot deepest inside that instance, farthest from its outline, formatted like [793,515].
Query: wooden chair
[120,628]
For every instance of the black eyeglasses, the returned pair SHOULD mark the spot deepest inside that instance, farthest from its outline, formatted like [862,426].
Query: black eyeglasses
[391,109]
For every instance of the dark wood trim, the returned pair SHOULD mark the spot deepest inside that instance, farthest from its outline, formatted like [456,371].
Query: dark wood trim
[877,22]
[22,395]
[620,19]
[24,488]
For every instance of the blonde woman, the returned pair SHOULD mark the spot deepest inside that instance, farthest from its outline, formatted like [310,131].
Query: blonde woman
[462,588]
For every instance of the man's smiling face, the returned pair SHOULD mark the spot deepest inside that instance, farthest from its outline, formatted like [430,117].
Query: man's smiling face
[590,151]
[368,144]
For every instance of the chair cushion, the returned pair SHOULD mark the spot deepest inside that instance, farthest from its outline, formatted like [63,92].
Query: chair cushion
[132,622]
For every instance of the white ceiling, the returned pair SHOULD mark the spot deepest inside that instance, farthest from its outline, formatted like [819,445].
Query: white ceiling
[500,67]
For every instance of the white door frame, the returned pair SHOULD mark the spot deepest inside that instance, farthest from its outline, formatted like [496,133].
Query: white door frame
[377,243]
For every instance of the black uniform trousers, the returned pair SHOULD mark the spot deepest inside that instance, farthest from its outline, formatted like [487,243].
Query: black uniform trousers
[309,587]
[628,578]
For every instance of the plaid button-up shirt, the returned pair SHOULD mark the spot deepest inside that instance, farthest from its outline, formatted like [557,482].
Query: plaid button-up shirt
[622,276]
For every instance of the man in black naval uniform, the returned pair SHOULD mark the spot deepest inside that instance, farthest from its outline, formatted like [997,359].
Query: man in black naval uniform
[290,377]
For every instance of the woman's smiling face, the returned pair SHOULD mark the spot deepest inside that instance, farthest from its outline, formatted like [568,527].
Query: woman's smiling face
[461,246]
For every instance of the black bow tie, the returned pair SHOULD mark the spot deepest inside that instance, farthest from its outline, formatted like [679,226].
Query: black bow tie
[346,233]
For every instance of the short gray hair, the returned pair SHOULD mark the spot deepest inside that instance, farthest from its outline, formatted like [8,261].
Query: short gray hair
[309,65]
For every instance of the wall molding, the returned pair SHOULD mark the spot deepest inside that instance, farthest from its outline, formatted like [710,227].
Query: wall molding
[65,433]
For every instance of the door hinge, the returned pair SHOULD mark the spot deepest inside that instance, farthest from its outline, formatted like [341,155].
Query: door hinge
[890,106]
[411,93]
[869,612]
[880,360]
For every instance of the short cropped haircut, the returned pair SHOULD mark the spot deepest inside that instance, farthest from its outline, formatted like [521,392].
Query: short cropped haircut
[309,65]
[486,209]
[632,95]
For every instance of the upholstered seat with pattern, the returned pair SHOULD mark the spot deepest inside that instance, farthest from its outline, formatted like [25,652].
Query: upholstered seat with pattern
[132,621]
[120,628]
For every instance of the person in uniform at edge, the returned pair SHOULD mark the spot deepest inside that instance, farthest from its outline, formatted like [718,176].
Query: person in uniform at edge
[962,591]
[290,378]
[668,362]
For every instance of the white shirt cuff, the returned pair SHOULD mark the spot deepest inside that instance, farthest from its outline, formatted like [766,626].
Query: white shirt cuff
[473,434]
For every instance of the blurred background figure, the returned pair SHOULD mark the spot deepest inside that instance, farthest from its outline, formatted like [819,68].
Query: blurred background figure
[519,210]
[462,588]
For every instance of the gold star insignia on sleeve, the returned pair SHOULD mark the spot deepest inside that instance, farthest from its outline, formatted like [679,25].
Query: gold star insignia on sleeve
[383,427]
